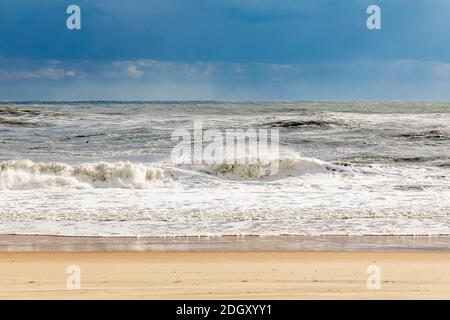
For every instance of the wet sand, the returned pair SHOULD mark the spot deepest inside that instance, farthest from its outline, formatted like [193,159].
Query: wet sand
[38,243]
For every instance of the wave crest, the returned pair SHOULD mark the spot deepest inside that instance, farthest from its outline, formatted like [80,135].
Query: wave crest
[258,169]
[25,174]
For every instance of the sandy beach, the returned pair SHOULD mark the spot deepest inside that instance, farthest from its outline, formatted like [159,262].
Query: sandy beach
[225,275]
[225,150]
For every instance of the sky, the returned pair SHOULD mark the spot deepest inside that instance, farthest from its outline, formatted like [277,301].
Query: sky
[225,50]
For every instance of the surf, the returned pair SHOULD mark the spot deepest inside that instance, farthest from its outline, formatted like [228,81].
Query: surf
[25,174]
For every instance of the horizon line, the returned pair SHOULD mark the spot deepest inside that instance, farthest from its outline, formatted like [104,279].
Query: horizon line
[217,101]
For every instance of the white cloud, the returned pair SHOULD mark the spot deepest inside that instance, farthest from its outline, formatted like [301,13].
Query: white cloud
[278,67]
[155,79]
[133,71]
[44,73]
[441,69]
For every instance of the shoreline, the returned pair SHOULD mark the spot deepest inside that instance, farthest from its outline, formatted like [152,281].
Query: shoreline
[47,243]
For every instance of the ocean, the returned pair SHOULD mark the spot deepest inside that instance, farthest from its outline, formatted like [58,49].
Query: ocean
[107,169]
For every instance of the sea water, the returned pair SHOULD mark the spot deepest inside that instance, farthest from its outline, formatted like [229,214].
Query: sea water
[105,169]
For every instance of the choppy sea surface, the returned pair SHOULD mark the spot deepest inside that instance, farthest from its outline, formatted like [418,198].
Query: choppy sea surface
[105,169]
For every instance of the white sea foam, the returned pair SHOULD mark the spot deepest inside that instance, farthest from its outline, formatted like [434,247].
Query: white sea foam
[398,183]
[263,169]
[25,174]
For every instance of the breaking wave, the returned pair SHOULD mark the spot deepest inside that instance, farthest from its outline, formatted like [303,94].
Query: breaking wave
[264,169]
[25,174]
[13,122]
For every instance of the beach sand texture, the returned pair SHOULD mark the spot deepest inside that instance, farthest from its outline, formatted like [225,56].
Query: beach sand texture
[225,275]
